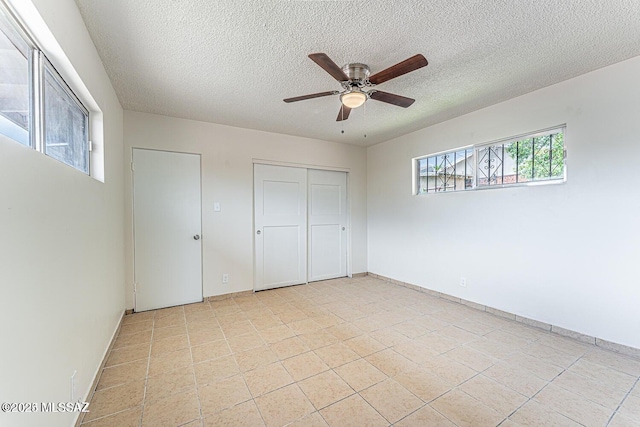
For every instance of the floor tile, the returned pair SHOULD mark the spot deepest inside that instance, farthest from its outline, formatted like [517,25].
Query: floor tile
[128,354]
[336,355]
[500,398]
[283,406]
[620,420]
[535,414]
[265,379]
[390,362]
[602,374]
[243,415]
[133,328]
[472,358]
[255,357]
[169,361]
[124,373]
[304,365]
[360,374]
[425,416]
[172,411]
[289,347]
[520,380]
[631,408]
[166,345]
[573,406]
[364,345]
[325,388]
[245,342]
[223,394]
[115,399]
[277,333]
[309,355]
[318,339]
[312,420]
[353,411]
[162,333]
[210,350]
[391,400]
[465,411]
[168,383]
[132,339]
[203,336]
[215,369]
[175,319]
[423,384]
[590,389]
[129,418]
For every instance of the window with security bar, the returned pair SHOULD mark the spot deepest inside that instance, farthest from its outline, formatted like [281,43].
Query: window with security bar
[533,158]
[451,171]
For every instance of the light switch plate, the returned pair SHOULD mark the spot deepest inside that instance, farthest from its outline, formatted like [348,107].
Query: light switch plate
[216,206]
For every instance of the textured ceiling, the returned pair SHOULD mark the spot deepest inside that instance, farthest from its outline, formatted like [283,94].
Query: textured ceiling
[233,61]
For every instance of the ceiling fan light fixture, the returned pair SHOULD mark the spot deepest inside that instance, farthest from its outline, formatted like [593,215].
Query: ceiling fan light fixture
[353,99]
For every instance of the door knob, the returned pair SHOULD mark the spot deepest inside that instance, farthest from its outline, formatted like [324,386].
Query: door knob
[343,228]
[258,232]
[196,237]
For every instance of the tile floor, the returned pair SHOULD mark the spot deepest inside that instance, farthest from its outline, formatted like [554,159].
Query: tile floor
[354,352]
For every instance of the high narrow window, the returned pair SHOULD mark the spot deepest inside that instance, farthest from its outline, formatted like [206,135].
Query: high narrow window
[534,158]
[65,123]
[451,171]
[14,82]
[37,107]
[523,160]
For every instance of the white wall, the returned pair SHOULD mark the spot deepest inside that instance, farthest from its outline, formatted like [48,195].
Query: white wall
[227,177]
[61,240]
[562,254]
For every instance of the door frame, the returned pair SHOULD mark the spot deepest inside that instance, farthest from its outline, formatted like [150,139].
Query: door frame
[307,166]
[133,221]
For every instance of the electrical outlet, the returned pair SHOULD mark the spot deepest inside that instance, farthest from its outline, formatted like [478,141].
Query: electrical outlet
[225,278]
[463,282]
[73,386]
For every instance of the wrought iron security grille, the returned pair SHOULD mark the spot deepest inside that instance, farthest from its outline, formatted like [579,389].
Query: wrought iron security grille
[537,157]
[451,171]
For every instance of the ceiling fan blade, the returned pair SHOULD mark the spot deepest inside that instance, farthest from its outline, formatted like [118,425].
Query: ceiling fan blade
[404,67]
[329,66]
[343,114]
[313,95]
[390,98]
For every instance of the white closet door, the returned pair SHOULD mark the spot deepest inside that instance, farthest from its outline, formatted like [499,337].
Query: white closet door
[167,221]
[327,224]
[280,202]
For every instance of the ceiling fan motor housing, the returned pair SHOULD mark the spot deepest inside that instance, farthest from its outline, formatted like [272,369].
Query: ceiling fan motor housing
[357,73]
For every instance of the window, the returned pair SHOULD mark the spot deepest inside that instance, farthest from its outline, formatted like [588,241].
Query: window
[533,158]
[37,107]
[451,171]
[65,123]
[14,82]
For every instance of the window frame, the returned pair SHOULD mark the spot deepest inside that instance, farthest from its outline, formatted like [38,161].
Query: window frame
[38,65]
[504,141]
[48,67]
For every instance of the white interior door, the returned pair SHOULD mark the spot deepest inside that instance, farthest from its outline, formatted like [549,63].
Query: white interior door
[280,202]
[327,224]
[167,221]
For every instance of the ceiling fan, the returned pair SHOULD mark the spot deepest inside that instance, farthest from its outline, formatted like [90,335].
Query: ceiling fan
[357,83]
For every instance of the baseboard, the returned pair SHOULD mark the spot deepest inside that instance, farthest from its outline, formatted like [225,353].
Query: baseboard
[554,329]
[357,275]
[96,375]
